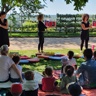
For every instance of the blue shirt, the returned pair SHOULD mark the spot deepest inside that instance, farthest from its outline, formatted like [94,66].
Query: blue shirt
[88,70]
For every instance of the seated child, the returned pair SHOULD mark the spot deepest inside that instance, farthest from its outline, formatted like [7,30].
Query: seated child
[30,86]
[75,90]
[68,78]
[72,60]
[13,75]
[64,62]
[48,82]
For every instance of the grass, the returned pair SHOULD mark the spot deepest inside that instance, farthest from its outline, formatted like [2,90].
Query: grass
[48,34]
[40,66]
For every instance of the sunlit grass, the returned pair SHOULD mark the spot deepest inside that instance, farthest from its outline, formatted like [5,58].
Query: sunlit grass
[40,66]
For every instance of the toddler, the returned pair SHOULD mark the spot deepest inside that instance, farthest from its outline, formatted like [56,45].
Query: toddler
[68,78]
[75,90]
[13,75]
[30,86]
[48,82]
[72,60]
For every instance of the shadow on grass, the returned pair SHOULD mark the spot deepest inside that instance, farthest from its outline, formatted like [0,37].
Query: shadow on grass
[40,66]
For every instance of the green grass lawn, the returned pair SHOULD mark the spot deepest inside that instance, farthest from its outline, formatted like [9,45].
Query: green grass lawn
[40,66]
[49,34]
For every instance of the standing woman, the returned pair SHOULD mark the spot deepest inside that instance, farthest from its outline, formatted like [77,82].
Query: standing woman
[4,38]
[85,25]
[41,29]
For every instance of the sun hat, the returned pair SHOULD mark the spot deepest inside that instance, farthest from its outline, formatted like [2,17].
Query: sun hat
[16,88]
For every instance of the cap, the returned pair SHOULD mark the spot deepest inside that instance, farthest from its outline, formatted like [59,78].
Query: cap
[4,48]
[16,88]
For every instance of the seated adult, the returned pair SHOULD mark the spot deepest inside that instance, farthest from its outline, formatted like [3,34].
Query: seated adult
[87,70]
[5,64]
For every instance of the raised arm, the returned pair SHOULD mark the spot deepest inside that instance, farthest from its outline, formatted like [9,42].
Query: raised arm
[44,25]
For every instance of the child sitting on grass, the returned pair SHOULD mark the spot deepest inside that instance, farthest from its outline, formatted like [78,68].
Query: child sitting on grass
[30,86]
[75,90]
[64,62]
[48,82]
[72,60]
[68,78]
[13,75]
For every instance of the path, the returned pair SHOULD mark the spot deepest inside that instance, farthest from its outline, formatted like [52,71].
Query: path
[50,43]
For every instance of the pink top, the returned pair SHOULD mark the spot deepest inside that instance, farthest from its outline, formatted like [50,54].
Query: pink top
[48,83]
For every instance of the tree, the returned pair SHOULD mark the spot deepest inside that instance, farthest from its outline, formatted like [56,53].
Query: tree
[31,6]
[78,4]
[25,6]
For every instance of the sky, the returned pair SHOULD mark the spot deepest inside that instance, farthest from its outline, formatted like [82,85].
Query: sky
[60,6]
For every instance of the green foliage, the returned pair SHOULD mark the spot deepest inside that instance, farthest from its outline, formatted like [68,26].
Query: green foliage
[29,26]
[25,6]
[51,29]
[31,6]
[40,66]
[78,4]
[30,23]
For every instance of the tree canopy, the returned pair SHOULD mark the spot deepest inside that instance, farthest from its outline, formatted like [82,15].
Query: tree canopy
[31,6]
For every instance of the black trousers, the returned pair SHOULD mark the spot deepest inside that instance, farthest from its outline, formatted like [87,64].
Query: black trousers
[82,43]
[41,40]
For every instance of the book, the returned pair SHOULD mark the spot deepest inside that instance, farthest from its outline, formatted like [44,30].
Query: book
[94,23]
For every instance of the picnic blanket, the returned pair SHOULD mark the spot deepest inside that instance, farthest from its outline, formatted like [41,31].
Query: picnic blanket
[90,92]
[56,74]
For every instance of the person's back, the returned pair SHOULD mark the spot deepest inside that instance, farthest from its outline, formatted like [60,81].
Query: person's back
[87,70]
[5,64]
[30,86]
[13,75]
[48,81]
[72,60]
[69,70]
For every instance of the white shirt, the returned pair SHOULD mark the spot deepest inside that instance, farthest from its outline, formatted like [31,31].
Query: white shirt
[72,61]
[5,63]
[13,74]
[29,85]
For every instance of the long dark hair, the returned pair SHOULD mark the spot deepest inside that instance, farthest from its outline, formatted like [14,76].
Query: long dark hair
[84,16]
[2,13]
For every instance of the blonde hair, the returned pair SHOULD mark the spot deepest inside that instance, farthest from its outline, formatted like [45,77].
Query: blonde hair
[84,16]
[40,17]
